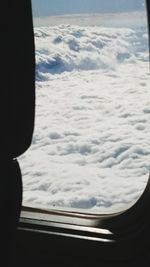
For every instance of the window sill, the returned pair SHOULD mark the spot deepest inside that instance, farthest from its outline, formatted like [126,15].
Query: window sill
[74,239]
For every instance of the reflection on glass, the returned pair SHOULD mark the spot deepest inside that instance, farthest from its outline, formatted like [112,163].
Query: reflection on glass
[91,145]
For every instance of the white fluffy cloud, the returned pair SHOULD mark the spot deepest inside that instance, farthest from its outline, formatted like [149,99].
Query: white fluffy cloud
[91,144]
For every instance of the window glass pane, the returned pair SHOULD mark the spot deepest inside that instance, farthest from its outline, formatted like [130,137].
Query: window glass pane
[91,145]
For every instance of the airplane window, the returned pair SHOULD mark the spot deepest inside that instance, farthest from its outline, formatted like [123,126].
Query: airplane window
[91,146]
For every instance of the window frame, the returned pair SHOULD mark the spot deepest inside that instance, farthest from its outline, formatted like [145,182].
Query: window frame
[70,238]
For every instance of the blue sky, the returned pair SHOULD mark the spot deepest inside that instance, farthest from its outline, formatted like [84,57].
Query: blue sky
[56,7]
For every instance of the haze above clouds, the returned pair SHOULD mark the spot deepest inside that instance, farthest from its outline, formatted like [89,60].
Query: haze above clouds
[60,7]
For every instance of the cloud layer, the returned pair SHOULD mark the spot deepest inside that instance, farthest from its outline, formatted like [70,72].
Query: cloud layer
[91,144]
